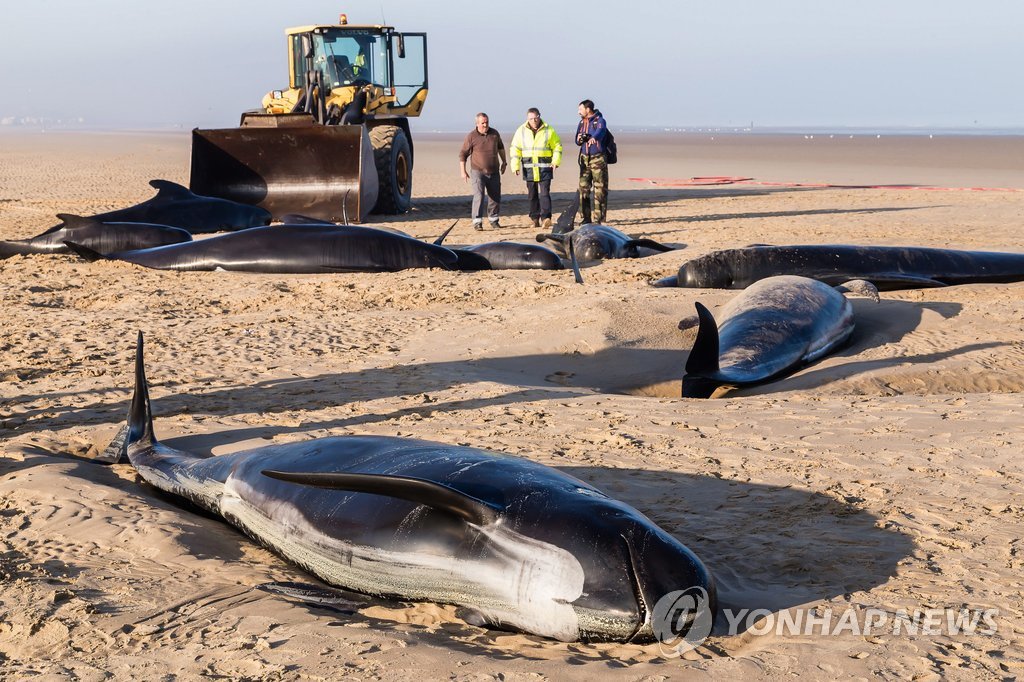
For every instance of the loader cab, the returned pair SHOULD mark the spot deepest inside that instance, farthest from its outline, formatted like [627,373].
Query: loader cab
[349,57]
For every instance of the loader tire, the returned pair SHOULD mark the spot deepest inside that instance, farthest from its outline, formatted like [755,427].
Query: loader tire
[393,158]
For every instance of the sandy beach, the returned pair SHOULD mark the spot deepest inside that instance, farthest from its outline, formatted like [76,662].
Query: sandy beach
[885,478]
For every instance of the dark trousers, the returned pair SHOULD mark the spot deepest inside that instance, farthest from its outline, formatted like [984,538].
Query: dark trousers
[486,193]
[540,198]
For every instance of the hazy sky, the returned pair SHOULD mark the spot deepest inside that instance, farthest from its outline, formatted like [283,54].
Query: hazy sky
[933,63]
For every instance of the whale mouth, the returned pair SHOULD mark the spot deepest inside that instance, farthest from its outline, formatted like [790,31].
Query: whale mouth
[643,631]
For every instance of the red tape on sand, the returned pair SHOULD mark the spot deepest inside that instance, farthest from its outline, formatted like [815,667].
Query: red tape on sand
[740,180]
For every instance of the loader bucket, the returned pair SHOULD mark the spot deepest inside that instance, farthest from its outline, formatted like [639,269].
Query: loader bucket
[322,171]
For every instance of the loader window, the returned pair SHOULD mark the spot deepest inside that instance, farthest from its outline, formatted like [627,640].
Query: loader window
[351,57]
[411,70]
[299,60]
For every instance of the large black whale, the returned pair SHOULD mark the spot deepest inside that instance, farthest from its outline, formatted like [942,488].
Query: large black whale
[887,267]
[522,545]
[98,236]
[178,206]
[298,249]
[776,326]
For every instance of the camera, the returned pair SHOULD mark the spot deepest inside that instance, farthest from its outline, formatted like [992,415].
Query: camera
[584,137]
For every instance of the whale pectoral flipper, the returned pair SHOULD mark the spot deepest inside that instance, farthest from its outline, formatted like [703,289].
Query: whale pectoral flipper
[649,244]
[85,252]
[575,264]
[416,490]
[901,278]
[470,261]
[340,600]
[117,450]
[859,287]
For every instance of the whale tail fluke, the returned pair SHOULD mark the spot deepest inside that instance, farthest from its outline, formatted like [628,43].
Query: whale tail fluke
[703,360]
[85,252]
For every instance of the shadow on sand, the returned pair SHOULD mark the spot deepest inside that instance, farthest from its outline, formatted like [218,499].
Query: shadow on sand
[453,208]
[545,376]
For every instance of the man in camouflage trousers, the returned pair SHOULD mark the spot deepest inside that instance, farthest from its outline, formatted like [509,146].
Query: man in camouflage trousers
[590,136]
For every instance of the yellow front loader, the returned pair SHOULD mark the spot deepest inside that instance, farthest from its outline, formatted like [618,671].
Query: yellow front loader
[336,143]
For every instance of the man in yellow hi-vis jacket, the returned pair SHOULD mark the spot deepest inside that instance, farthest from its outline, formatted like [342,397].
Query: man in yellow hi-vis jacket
[537,151]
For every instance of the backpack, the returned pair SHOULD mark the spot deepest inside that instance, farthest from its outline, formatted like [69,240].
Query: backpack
[611,150]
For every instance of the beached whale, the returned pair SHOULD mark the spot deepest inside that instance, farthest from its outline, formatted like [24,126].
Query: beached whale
[98,236]
[516,256]
[291,249]
[504,256]
[178,206]
[599,242]
[521,545]
[887,267]
[775,327]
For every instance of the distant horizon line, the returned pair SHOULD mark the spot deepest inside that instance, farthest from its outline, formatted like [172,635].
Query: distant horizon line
[78,126]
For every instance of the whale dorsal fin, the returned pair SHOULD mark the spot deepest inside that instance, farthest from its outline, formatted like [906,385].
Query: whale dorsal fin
[703,360]
[59,226]
[139,426]
[72,220]
[440,240]
[140,416]
[416,490]
[165,189]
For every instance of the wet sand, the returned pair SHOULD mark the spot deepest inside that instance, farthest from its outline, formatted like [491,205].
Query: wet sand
[887,476]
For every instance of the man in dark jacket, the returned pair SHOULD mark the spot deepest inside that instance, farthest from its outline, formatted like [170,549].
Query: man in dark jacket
[590,136]
[484,148]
